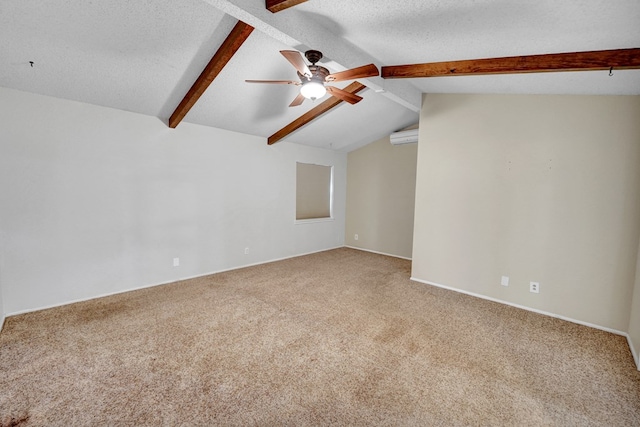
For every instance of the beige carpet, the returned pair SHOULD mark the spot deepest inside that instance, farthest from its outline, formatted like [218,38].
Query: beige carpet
[341,337]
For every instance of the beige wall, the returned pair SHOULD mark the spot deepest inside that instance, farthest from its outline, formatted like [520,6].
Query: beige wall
[634,320]
[1,304]
[537,188]
[381,182]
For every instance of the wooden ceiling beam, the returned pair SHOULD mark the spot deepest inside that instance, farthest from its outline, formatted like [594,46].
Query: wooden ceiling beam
[278,5]
[555,62]
[312,114]
[228,48]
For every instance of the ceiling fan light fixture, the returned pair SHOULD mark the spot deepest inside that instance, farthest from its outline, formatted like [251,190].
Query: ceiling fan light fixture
[313,90]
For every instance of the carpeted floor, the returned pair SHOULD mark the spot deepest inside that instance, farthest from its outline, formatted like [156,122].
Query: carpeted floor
[340,337]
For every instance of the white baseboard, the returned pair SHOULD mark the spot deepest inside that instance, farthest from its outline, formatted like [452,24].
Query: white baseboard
[376,252]
[535,310]
[165,283]
[2,323]
[634,353]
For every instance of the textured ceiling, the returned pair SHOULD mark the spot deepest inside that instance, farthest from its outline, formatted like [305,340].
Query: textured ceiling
[143,56]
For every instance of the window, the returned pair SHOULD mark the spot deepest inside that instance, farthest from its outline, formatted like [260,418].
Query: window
[314,185]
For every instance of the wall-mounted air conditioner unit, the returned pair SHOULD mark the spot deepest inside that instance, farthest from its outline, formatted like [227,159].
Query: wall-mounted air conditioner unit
[404,137]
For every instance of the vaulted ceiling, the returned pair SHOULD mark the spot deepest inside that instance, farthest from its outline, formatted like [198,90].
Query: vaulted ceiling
[146,56]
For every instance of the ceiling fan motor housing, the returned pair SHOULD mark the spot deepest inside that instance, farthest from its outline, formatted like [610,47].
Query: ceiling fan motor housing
[318,74]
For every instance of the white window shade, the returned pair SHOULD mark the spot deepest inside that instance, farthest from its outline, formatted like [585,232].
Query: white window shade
[313,191]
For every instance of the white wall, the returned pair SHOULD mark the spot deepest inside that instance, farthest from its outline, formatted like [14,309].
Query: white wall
[537,188]
[97,201]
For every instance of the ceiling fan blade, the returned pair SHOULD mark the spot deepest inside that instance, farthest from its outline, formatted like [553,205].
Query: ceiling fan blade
[274,82]
[297,61]
[365,71]
[297,101]
[554,62]
[313,114]
[344,95]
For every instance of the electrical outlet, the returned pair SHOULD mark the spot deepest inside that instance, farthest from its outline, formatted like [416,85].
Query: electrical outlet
[176,262]
[534,287]
[355,237]
[504,281]
[246,251]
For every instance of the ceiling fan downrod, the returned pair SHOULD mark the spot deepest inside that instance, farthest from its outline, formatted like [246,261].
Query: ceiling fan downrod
[313,56]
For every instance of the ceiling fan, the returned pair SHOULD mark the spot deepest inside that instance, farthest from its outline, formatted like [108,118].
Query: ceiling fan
[313,78]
